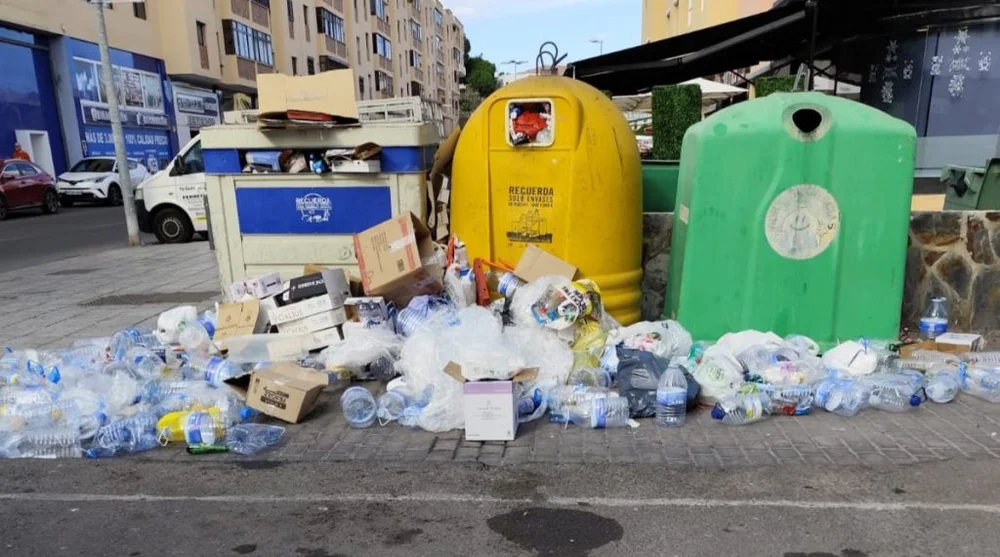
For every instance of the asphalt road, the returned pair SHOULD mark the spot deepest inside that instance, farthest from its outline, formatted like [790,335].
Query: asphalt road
[30,238]
[195,506]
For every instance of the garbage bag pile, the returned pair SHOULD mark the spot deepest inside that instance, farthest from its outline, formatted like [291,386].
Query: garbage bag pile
[136,391]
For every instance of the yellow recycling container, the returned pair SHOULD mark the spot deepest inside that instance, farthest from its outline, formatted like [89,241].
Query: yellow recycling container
[551,162]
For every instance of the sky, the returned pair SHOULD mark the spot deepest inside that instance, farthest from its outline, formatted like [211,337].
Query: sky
[503,30]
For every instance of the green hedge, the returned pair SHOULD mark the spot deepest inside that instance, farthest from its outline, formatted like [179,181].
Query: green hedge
[675,109]
[777,84]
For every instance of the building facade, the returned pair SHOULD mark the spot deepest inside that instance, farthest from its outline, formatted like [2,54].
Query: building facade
[662,19]
[178,64]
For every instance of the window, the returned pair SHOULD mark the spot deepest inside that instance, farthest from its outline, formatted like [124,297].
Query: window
[193,163]
[310,66]
[416,31]
[265,3]
[247,43]
[368,47]
[383,82]
[331,25]
[132,165]
[416,59]
[26,169]
[305,20]
[438,17]
[358,39]
[382,47]
[139,10]
[11,172]
[361,87]
[379,10]
[200,31]
[355,21]
[291,11]
[295,66]
[416,4]
[437,44]
[369,86]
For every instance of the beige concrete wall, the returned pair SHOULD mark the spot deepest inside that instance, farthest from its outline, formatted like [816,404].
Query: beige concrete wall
[179,49]
[663,19]
[76,19]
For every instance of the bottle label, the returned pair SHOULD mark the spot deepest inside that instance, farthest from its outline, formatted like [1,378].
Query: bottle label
[671,397]
[934,325]
[599,413]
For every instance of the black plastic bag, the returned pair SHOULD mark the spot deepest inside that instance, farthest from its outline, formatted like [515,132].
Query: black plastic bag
[638,376]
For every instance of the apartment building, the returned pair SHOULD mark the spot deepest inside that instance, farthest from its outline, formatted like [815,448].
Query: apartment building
[179,63]
[662,19]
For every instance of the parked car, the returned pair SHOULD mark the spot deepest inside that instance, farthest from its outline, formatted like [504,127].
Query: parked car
[23,185]
[96,179]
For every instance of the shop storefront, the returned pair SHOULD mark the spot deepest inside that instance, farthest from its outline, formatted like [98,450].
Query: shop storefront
[28,106]
[194,108]
[146,110]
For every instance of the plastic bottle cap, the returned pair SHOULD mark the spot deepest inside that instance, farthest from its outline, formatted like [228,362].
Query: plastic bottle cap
[915,400]
[718,413]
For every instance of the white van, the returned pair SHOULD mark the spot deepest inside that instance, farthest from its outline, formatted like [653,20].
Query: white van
[171,203]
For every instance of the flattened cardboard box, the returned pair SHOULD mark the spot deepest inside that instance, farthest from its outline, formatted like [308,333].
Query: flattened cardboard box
[237,319]
[299,310]
[313,323]
[536,263]
[390,258]
[283,390]
[329,92]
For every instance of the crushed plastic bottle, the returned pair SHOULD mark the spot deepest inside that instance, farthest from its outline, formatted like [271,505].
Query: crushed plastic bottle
[391,406]
[50,442]
[895,392]
[126,339]
[247,439]
[214,370]
[359,407]
[980,382]
[742,409]
[844,397]
[602,413]
[943,385]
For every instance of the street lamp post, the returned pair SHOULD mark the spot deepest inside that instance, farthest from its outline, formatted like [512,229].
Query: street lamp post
[600,43]
[121,159]
[514,63]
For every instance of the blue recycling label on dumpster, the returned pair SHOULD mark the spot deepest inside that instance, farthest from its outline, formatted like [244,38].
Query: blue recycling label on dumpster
[323,210]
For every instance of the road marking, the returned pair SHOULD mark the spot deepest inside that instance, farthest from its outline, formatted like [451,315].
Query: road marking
[458,498]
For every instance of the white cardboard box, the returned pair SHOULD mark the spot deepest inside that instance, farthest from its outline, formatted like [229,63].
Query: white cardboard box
[490,410]
[298,310]
[313,323]
[259,287]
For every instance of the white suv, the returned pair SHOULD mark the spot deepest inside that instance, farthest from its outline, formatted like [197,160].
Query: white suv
[96,179]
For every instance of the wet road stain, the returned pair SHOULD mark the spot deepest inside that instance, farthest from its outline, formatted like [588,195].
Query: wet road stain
[556,532]
[843,553]
[245,549]
[319,552]
[404,537]
[898,490]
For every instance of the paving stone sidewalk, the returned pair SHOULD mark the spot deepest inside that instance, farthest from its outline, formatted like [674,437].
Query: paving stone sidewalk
[53,304]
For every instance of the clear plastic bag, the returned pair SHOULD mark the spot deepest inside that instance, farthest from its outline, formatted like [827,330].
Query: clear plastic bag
[363,348]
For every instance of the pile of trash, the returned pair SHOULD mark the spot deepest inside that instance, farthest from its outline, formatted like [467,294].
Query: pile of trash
[442,342]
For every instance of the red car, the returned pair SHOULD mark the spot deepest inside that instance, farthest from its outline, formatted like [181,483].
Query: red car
[23,185]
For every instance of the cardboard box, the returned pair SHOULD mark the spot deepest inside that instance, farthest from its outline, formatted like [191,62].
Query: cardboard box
[283,390]
[307,286]
[314,323]
[324,338]
[326,93]
[959,343]
[536,263]
[257,287]
[907,350]
[373,166]
[237,319]
[298,310]
[390,258]
[490,406]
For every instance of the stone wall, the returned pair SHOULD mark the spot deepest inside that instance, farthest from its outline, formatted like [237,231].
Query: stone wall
[955,254]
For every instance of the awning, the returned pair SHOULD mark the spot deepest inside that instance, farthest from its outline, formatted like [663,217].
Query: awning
[711,91]
[784,32]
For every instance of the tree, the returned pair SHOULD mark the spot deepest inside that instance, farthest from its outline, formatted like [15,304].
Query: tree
[480,73]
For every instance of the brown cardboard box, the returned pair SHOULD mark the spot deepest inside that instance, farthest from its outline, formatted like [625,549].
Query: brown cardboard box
[959,343]
[389,257]
[327,93]
[536,263]
[237,319]
[283,390]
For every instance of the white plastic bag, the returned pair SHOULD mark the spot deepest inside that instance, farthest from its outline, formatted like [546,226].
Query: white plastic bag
[719,374]
[168,325]
[364,347]
[667,339]
[851,358]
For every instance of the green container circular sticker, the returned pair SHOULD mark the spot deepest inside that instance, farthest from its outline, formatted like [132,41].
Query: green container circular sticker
[802,222]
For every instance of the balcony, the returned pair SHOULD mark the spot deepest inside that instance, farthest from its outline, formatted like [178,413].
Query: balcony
[203,53]
[240,8]
[261,15]
[246,69]
[385,64]
[383,27]
[418,74]
[261,68]
[336,48]
[338,5]
[439,29]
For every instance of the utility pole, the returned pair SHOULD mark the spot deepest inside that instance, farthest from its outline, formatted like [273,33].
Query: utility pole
[600,43]
[514,63]
[121,158]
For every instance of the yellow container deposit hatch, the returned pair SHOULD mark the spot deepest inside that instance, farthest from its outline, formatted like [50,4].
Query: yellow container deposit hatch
[550,161]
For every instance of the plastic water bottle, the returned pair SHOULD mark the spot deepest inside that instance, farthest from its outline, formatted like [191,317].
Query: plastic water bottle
[391,406]
[893,397]
[359,407]
[128,435]
[562,400]
[144,362]
[935,319]
[51,442]
[602,412]
[987,358]
[125,339]
[742,409]
[794,400]
[212,369]
[195,338]
[980,382]
[943,386]
[203,429]
[671,398]
[843,397]
[530,401]
[247,439]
